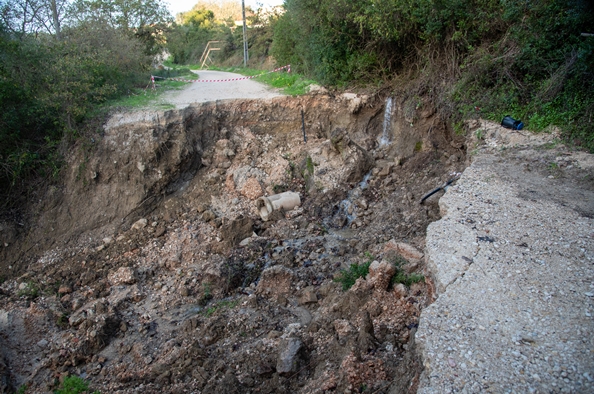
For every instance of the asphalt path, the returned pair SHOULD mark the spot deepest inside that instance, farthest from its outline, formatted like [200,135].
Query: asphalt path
[199,92]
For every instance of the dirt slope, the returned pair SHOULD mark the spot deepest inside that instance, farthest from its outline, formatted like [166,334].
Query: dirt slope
[151,270]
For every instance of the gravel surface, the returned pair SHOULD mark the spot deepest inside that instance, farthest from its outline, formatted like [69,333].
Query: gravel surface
[199,92]
[513,264]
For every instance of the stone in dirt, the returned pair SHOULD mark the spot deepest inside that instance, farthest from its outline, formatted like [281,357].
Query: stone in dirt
[276,281]
[288,358]
[252,189]
[123,276]
[139,224]
[236,230]
[308,296]
[380,274]
[405,250]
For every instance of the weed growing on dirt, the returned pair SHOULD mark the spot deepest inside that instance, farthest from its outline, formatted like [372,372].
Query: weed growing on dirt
[225,304]
[31,291]
[348,277]
[401,277]
[206,294]
[62,320]
[74,385]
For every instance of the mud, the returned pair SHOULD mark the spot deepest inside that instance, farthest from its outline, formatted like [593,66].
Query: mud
[150,270]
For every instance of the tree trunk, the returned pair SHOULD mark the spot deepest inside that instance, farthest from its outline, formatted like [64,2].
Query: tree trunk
[56,18]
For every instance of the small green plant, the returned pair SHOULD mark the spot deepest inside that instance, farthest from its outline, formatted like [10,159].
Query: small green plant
[309,165]
[349,276]
[480,134]
[401,277]
[31,291]
[74,385]
[279,188]
[419,146]
[206,294]
[62,320]
[225,304]
[459,128]
[22,389]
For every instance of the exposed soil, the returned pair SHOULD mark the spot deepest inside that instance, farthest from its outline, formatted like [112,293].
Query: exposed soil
[151,271]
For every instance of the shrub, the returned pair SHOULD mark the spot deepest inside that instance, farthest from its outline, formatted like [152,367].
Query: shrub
[349,276]
[73,385]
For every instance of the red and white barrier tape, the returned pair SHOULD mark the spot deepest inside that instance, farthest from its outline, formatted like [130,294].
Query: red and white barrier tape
[288,67]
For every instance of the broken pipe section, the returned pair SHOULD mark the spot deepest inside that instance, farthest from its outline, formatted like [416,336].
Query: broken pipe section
[286,201]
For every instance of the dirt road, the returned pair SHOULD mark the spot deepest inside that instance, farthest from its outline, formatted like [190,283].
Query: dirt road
[199,92]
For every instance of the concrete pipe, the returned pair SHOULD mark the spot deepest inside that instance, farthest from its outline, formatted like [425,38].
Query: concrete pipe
[286,201]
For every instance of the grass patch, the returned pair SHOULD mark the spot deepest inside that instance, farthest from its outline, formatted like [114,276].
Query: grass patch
[402,277]
[292,84]
[74,385]
[348,277]
[31,291]
[218,306]
[147,96]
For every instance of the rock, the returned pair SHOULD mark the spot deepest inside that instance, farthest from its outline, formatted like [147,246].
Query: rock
[107,240]
[308,296]
[385,171]
[64,289]
[139,224]
[365,339]
[288,357]
[317,89]
[201,208]
[123,276]
[234,231]
[380,274]
[400,290]
[208,215]
[184,292]
[405,250]
[42,344]
[252,189]
[344,328]
[275,281]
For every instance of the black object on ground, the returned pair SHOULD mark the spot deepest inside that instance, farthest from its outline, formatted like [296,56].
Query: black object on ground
[444,187]
[510,123]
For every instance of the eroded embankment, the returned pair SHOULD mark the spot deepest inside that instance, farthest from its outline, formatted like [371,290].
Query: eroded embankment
[150,269]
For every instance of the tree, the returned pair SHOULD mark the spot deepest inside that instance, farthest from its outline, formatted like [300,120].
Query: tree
[146,20]
[34,16]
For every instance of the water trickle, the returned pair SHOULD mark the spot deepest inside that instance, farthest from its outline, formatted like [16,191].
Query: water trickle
[385,139]
[347,206]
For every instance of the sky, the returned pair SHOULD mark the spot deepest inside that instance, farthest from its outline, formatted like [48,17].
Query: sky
[176,6]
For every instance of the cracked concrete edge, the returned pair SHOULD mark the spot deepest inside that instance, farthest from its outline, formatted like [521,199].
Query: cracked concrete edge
[451,244]
[454,257]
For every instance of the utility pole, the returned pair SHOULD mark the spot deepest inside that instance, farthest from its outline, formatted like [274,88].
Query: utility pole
[245,43]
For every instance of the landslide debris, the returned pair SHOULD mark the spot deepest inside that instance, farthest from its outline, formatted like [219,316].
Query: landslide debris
[151,270]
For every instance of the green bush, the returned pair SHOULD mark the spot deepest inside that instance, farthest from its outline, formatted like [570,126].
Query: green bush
[73,385]
[348,277]
[402,277]
[48,87]
[526,59]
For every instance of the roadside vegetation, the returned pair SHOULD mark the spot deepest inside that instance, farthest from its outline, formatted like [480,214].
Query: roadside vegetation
[533,60]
